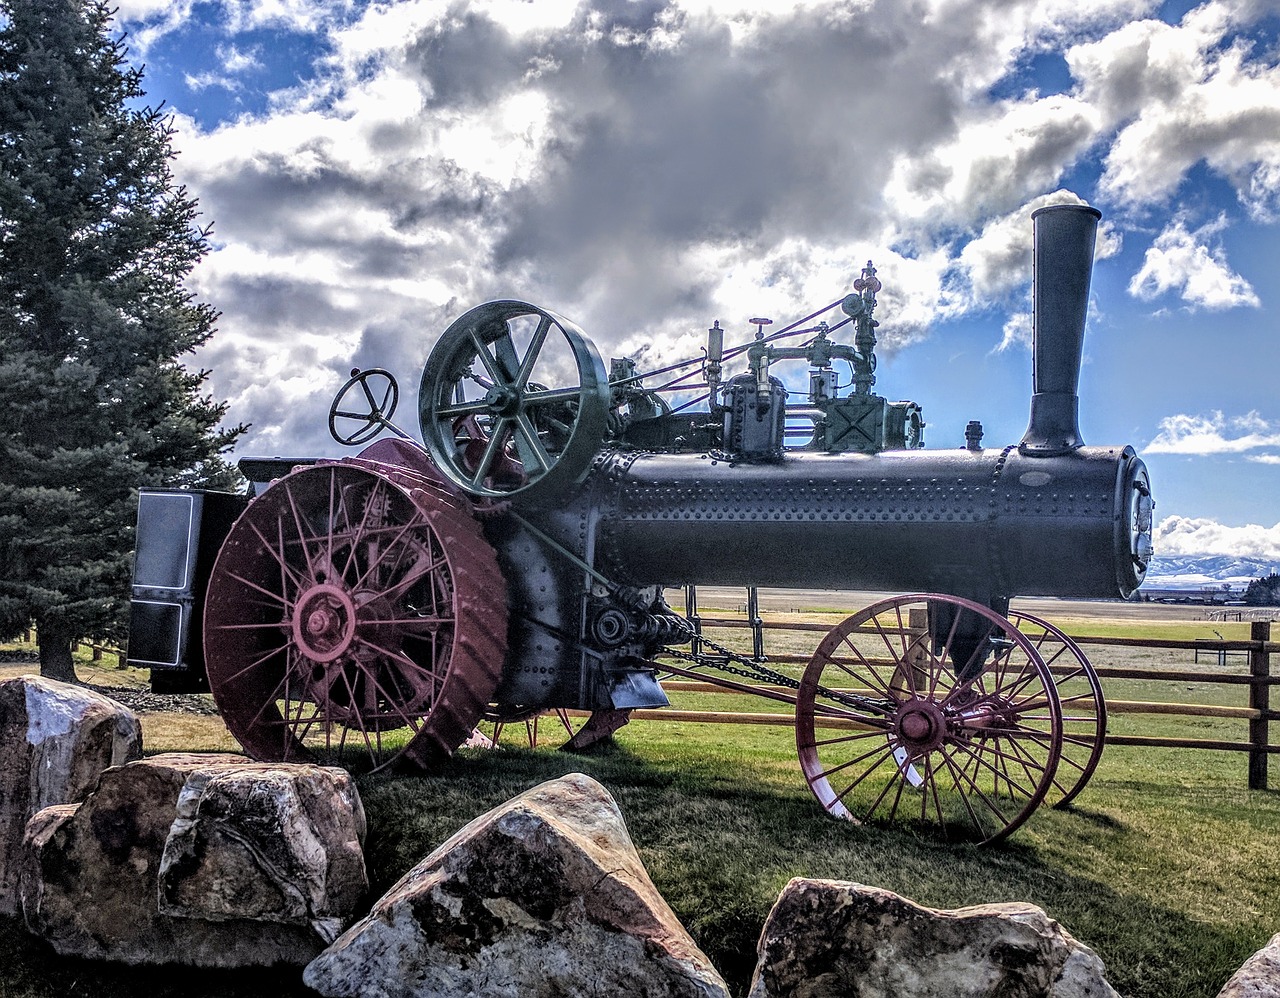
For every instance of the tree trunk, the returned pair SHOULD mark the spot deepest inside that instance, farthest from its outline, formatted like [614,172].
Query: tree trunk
[55,654]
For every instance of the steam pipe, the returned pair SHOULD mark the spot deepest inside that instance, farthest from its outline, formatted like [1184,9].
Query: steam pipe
[1063,265]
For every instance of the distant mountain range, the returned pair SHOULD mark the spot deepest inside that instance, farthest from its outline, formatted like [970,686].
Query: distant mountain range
[1197,572]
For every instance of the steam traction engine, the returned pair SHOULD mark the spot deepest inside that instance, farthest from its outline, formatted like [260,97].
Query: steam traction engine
[516,561]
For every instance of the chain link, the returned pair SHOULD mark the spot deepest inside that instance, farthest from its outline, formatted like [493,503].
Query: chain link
[757,671]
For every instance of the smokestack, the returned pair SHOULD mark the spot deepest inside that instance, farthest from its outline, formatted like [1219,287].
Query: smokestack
[1063,265]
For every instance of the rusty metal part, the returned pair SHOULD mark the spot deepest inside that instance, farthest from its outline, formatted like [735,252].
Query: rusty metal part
[1084,708]
[973,733]
[351,612]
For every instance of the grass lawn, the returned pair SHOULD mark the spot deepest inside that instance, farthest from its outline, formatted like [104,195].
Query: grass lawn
[1163,865]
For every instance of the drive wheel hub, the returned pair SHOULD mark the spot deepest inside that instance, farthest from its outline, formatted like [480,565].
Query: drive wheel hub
[324,622]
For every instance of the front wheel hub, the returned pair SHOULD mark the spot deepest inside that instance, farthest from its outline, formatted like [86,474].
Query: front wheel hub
[920,727]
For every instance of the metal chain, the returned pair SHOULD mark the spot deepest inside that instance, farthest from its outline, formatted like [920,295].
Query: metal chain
[755,670]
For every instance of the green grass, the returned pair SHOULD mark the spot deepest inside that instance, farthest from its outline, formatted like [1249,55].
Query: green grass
[1163,865]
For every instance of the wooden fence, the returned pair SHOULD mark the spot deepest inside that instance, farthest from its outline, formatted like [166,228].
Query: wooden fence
[1258,649]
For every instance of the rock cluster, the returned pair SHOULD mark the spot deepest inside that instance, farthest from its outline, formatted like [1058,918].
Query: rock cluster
[212,860]
[201,860]
[55,739]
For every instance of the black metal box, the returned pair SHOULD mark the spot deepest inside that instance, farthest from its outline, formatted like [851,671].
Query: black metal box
[178,537]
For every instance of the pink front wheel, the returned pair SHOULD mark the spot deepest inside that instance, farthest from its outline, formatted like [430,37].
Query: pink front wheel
[930,709]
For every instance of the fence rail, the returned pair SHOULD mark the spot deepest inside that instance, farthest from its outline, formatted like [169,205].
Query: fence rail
[1258,649]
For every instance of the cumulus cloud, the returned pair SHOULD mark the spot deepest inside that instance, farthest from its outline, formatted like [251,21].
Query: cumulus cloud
[1183,261]
[646,168]
[1183,94]
[1215,433]
[1193,536]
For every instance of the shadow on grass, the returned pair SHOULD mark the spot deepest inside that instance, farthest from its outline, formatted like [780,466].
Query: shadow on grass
[720,841]
[720,846]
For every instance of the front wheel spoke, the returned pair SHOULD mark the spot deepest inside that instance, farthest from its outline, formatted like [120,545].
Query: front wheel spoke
[885,754]
[357,538]
[977,755]
[305,537]
[872,678]
[393,546]
[416,574]
[287,574]
[820,742]
[1019,756]
[902,782]
[279,693]
[374,753]
[897,781]
[405,662]
[878,750]
[956,776]
[992,806]
[832,713]
[261,660]
[936,660]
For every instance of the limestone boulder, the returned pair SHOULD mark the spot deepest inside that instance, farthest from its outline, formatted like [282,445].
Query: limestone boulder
[55,739]
[205,860]
[830,939]
[543,896]
[1259,976]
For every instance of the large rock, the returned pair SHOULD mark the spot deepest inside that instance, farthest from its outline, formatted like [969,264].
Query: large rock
[543,896]
[1259,976]
[55,740]
[828,939]
[205,860]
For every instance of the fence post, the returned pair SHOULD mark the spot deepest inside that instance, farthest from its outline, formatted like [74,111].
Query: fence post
[1259,699]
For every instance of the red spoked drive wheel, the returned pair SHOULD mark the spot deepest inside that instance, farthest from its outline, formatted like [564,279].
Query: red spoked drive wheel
[933,709]
[354,617]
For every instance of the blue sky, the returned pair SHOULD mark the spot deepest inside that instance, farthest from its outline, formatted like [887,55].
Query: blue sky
[647,167]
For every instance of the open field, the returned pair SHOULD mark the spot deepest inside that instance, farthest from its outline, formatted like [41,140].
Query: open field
[1164,864]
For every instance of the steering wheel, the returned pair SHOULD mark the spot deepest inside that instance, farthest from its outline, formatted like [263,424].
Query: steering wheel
[514,402]
[370,409]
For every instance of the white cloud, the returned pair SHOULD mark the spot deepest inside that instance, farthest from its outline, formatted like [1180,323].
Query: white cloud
[1182,261]
[1183,94]
[1184,535]
[642,168]
[1214,434]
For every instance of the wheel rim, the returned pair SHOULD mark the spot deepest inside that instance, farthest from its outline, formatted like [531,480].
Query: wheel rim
[932,709]
[514,402]
[338,627]
[1084,707]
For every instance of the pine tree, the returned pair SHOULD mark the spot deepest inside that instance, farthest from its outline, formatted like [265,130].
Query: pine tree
[96,242]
